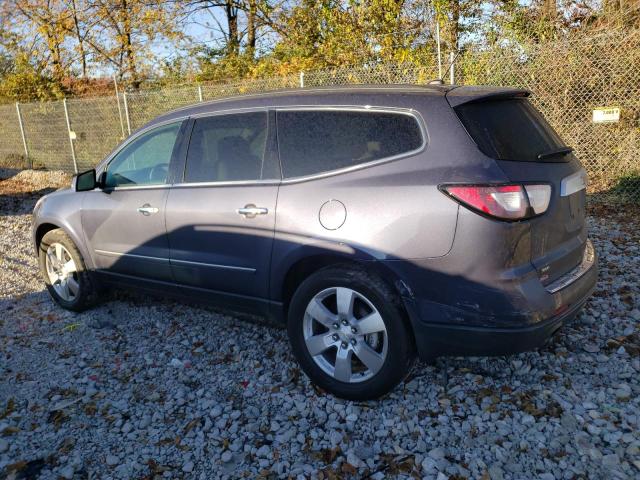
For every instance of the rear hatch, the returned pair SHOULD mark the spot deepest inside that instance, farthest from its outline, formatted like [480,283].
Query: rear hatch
[507,128]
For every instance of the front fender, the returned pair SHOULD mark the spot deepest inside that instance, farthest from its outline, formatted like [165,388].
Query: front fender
[62,209]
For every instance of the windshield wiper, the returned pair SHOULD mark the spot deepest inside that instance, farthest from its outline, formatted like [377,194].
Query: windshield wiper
[555,153]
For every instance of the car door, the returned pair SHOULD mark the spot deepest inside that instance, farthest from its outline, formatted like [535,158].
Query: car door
[123,221]
[221,217]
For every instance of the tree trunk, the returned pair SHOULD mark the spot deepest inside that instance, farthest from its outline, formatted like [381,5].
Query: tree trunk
[233,42]
[251,28]
[127,46]
[83,55]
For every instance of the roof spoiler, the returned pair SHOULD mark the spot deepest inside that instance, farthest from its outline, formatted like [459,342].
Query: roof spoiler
[461,95]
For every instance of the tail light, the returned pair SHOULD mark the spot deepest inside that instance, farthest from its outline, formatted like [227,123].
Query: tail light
[506,202]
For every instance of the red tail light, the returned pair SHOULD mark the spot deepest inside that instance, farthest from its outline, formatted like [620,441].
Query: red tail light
[506,202]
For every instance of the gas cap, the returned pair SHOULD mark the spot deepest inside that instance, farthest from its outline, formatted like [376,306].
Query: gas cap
[332,214]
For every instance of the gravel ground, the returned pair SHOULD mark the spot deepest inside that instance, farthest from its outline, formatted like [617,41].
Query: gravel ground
[145,388]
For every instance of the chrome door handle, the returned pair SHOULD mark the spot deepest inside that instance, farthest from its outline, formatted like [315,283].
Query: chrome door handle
[147,209]
[250,211]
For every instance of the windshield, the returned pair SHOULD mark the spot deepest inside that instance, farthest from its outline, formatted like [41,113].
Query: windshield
[511,129]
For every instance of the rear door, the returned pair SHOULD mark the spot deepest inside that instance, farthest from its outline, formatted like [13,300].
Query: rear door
[220,218]
[124,221]
[528,150]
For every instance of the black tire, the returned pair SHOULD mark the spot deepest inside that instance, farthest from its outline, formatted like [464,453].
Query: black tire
[87,293]
[401,347]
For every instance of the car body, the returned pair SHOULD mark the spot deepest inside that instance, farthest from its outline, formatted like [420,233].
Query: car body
[371,177]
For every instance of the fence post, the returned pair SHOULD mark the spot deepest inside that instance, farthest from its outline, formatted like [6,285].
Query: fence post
[24,138]
[115,84]
[452,59]
[301,79]
[200,93]
[438,47]
[126,112]
[73,148]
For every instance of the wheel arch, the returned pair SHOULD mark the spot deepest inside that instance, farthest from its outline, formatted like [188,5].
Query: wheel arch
[48,224]
[42,230]
[306,266]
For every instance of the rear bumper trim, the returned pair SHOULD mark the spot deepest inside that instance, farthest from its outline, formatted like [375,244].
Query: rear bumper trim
[588,259]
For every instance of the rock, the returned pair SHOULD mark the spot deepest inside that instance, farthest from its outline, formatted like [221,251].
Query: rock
[611,461]
[226,456]
[495,473]
[112,460]
[4,445]
[176,363]
[263,451]
[188,467]
[591,348]
[437,453]
[67,472]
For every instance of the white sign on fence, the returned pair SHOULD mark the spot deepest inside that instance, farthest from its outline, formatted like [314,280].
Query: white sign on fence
[606,115]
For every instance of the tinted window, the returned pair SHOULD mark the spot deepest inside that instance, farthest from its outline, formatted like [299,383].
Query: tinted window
[227,148]
[319,141]
[509,129]
[145,161]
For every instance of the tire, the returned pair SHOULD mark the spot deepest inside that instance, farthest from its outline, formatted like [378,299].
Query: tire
[312,328]
[67,264]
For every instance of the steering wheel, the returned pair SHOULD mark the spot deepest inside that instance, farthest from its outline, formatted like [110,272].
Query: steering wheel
[159,172]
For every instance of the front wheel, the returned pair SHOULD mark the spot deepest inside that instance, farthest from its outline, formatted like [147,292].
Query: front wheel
[64,271]
[349,332]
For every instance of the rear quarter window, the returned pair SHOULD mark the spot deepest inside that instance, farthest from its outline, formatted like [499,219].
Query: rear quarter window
[509,129]
[317,141]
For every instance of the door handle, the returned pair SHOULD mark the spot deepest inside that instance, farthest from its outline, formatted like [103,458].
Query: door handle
[147,209]
[250,211]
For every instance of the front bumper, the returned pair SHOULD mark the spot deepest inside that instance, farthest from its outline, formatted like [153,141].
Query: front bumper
[444,330]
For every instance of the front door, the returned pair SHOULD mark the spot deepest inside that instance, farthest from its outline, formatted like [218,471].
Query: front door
[221,218]
[124,221]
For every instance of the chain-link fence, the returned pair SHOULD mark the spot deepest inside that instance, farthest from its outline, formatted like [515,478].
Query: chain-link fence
[569,80]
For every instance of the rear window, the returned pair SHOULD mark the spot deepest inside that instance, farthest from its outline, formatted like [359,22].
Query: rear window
[510,129]
[317,141]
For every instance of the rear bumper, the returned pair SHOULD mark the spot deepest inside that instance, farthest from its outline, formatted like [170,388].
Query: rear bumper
[444,330]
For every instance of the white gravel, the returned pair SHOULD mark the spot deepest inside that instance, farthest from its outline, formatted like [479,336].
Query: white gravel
[145,388]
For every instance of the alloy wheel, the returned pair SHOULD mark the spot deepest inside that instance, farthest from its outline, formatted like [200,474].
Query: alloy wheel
[345,334]
[62,272]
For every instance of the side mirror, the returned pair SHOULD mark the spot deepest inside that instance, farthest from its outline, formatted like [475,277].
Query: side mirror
[86,181]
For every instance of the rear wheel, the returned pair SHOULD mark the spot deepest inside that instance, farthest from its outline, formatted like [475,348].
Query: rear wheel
[64,272]
[348,331]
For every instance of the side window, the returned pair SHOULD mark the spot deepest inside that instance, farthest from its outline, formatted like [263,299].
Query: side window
[145,161]
[316,141]
[227,148]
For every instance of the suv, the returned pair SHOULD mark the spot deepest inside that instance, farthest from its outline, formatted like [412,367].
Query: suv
[376,222]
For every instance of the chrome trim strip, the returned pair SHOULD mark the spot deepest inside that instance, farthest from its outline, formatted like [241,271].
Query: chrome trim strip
[212,265]
[574,183]
[108,253]
[587,262]
[160,186]
[231,183]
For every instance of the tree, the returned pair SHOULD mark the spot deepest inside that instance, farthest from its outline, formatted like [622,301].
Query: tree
[46,20]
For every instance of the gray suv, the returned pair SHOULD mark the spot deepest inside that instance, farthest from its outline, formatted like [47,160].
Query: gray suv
[376,222]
